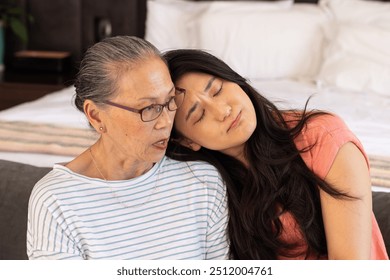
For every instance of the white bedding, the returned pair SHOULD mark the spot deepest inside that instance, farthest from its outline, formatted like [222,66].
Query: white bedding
[367,115]
[55,108]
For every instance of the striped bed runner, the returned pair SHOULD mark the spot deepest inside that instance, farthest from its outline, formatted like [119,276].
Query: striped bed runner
[45,138]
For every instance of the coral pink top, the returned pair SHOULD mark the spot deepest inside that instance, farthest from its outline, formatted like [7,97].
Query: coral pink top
[329,133]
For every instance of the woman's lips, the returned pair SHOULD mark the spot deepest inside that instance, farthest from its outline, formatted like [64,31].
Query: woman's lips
[161,144]
[235,122]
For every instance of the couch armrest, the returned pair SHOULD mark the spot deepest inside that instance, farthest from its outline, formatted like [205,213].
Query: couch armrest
[381,207]
[17,181]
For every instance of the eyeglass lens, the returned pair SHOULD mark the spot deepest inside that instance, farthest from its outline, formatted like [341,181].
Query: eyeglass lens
[154,111]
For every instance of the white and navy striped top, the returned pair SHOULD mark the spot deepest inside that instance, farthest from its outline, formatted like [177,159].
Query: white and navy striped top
[177,210]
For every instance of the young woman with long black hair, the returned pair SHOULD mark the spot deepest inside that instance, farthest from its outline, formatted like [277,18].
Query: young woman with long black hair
[298,181]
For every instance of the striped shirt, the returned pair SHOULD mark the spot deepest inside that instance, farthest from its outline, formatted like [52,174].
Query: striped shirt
[177,210]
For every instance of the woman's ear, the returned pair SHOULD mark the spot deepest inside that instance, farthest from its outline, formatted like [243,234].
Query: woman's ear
[93,114]
[187,143]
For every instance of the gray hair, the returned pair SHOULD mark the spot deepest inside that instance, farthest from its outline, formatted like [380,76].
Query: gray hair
[105,62]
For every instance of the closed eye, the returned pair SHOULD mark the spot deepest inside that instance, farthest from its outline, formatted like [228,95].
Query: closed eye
[201,117]
[218,91]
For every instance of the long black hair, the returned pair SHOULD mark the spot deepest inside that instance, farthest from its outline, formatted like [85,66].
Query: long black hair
[277,179]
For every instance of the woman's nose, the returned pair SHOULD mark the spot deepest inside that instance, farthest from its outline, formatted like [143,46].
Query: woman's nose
[221,111]
[166,118]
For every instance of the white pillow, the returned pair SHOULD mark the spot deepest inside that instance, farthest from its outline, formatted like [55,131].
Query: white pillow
[267,45]
[359,11]
[358,55]
[172,24]
[358,59]
[169,24]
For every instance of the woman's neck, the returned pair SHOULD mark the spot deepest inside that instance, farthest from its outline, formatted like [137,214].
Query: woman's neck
[114,165]
[237,153]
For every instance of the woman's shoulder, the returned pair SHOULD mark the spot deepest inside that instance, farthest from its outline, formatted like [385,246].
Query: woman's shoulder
[322,137]
[328,122]
[54,179]
[324,127]
[325,121]
[44,189]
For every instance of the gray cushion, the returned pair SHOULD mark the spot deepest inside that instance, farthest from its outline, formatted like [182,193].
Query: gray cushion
[381,205]
[16,183]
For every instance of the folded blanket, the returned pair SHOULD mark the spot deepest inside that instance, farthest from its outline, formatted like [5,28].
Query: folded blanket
[51,139]
[45,138]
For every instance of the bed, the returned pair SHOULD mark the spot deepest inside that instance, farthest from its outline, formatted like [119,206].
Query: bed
[336,51]
[339,58]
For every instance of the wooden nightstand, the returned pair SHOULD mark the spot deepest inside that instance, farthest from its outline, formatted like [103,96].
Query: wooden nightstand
[19,87]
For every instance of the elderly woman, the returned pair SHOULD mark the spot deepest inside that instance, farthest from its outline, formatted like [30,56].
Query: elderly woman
[122,198]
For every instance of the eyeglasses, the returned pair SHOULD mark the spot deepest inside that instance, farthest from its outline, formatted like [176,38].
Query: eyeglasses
[152,112]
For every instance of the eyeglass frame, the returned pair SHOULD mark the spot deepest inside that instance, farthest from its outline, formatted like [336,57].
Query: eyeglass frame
[162,106]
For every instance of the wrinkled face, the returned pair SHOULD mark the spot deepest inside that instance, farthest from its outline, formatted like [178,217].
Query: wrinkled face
[147,83]
[215,114]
